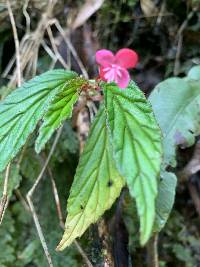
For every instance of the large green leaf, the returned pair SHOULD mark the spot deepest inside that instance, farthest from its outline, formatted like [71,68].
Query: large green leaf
[176,104]
[165,199]
[59,110]
[136,141]
[96,185]
[23,108]
[194,73]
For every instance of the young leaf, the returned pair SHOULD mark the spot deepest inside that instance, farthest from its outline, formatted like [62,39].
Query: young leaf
[23,108]
[136,142]
[59,110]
[96,185]
[165,199]
[176,102]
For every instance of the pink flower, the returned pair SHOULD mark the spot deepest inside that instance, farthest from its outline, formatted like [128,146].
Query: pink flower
[113,68]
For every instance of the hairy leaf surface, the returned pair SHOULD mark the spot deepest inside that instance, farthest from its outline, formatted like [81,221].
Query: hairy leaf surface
[23,108]
[96,185]
[165,199]
[176,104]
[59,110]
[136,142]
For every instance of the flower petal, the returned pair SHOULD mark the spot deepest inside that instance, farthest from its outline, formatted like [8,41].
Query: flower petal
[104,57]
[124,79]
[126,58]
[102,73]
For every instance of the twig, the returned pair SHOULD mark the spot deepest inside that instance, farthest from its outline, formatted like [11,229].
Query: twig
[30,44]
[27,17]
[56,198]
[152,252]
[22,199]
[180,42]
[39,231]
[192,167]
[195,196]
[51,54]
[31,191]
[32,209]
[61,220]
[16,40]
[4,199]
[65,38]
[5,188]
[188,171]
[178,54]
[49,51]
[161,12]
[58,55]
[77,58]
[87,261]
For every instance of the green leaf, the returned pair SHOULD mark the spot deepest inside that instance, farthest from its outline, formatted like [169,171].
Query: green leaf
[165,199]
[194,73]
[60,109]
[96,185]
[23,108]
[4,91]
[136,142]
[176,104]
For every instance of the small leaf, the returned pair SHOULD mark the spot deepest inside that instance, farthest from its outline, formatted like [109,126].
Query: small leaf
[165,199]
[59,110]
[176,104]
[136,142]
[96,185]
[23,108]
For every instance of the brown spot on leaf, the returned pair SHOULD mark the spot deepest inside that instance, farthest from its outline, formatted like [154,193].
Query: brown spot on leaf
[110,183]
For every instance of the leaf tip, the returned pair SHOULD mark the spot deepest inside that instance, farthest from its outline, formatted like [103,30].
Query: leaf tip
[37,148]
[143,240]
[59,247]
[63,244]
[145,234]
[39,144]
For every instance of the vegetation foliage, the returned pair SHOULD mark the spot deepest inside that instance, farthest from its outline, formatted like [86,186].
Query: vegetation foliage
[140,142]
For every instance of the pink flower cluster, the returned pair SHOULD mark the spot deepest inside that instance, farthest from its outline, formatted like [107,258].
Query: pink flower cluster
[113,68]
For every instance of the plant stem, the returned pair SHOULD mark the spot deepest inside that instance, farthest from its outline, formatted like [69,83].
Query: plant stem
[152,252]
